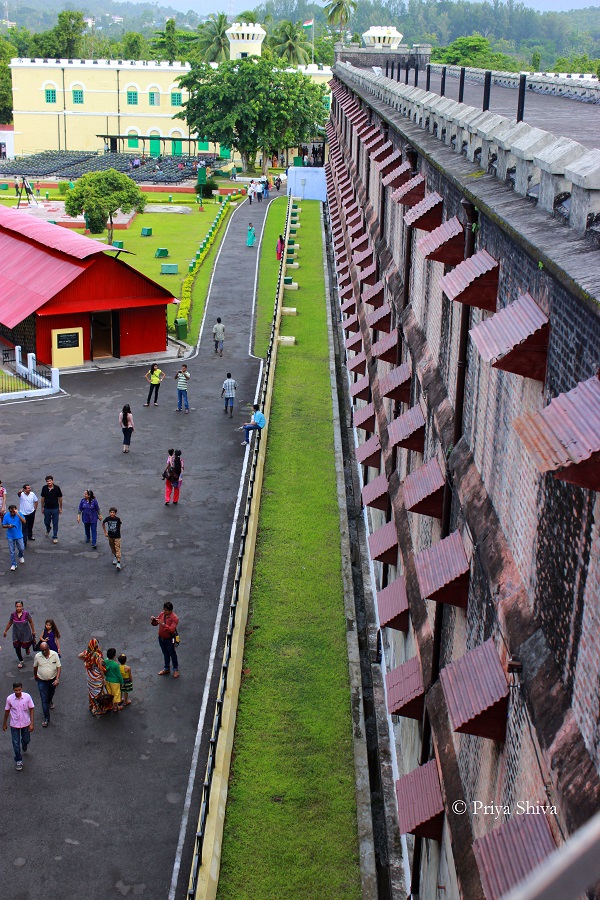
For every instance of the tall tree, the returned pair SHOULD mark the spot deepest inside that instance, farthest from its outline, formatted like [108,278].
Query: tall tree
[252,104]
[171,44]
[288,43]
[101,194]
[134,46]
[7,51]
[339,12]
[69,31]
[212,42]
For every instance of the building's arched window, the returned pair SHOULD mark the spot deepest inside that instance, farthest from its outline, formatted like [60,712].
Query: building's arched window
[132,140]
[50,94]
[132,97]
[176,98]
[153,95]
[77,94]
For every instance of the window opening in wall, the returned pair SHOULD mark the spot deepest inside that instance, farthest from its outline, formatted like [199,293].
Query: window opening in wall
[50,95]
[154,98]
[176,98]
[132,98]
[132,142]
[78,96]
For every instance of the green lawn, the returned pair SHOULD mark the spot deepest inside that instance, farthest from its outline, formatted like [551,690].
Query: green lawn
[290,827]
[267,275]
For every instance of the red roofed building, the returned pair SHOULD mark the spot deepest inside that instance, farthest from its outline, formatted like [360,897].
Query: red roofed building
[52,278]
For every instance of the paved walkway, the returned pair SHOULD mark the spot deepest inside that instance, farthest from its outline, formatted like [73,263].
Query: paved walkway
[97,810]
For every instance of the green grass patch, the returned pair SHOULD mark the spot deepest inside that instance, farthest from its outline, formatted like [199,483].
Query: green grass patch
[267,275]
[290,827]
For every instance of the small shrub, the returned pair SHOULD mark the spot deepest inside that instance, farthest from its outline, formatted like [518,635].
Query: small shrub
[63,187]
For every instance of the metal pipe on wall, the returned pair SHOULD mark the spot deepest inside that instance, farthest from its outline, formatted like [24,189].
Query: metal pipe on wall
[521,99]
[487,89]
[417,75]
[443,82]
[461,85]
[427,76]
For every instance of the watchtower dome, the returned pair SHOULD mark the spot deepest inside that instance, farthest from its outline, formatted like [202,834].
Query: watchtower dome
[378,36]
[245,39]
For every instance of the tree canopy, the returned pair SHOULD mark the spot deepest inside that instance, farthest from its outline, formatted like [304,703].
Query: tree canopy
[474,50]
[253,104]
[100,194]
[212,43]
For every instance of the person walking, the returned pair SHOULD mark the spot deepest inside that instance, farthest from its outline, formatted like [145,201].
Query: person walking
[173,475]
[51,635]
[95,671]
[127,426]
[280,247]
[19,709]
[278,184]
[182,377]
[219,336]
[251,237]
[256,423]
[228,392]
[28,504]
[154,376]
[113,678]
[52,500]
[23,631]
[167,623]
[12,522]
[46,671]
[89,512]
[111,526]
[251,192]
[259,191]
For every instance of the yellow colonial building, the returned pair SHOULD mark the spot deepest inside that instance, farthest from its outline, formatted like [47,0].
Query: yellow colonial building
[83,104]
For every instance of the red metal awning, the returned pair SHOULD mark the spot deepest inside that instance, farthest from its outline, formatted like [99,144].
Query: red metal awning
[476,693]
[365,417]
[354,341]
[392,602]
[351,323]
[375,493]
[380,319]
[564,438]
[369,453]
[474,281]
[445,244]
[368,275]
[382,153]
[358,363]
[424,490]
[361,389]
[396,384]
[408,430]
[427,214]
[516,339]
[349,306]
[420,802]
[443,571]
[386,347]
[410,193]
[507,854]
[388,164]
[398,176]
[383,544]
[373,294]
[405,691]
[363,257]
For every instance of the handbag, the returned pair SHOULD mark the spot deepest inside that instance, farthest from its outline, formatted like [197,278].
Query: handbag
[176,638]
[104,699]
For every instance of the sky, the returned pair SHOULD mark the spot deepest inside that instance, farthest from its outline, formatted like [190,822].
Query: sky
[232,7]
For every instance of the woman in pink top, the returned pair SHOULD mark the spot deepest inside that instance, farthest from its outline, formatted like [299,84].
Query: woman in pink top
[23,631]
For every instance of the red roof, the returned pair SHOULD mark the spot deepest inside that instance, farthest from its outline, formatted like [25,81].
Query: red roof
[356,226]
[370,134]
[411,192]
[424,490]
[427,214]
[382,153]
[373,294]
[398,176]
[50,236]
[506,855]
[354,341]
[474,281]
[404,689]
[444,244]
[349,305]
[358,363]
[375,493]
[365,418]
[346,291]
[476,693]
[443,571]
[360,258]
[516,338]
[373,140]
[392,602]
[381,318]
[351,323]
[370,272]
[387,165]
[396,384]
[369,453]
[420,802]
[383,544]
[566,435]
[386,347]
[359,241]
[360,390]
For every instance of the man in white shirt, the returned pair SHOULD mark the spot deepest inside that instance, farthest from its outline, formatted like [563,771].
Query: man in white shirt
[28,503]
[46,670]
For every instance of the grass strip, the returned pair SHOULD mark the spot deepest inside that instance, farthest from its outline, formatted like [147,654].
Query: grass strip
[290,826]
[267,275]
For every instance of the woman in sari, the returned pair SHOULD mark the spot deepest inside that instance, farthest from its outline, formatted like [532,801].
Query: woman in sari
[251,236]
[94,667]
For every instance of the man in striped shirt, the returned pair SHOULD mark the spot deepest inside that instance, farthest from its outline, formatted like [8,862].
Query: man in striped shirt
[182,377]
[229,389]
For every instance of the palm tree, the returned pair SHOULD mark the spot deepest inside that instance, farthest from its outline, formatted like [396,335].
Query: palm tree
[212,42]
[339,13]
[289,44]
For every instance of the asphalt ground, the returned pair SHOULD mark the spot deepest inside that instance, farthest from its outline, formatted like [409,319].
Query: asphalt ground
[98,809]
[561,116]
